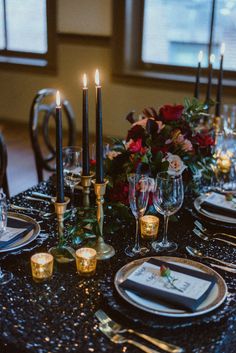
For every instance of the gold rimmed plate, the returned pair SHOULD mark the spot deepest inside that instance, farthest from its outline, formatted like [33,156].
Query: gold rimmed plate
[211,215]
[28,237]
[215,298]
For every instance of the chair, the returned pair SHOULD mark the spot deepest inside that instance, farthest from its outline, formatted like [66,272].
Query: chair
[42,116]
[3,166]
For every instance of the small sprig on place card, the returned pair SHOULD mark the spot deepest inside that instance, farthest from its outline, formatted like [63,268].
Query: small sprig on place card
[166,272]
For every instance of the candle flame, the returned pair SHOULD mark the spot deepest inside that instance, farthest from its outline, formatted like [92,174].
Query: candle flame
[58,99]
[212,58]
[222,48]
[85,80]
[97,80]
[200,56]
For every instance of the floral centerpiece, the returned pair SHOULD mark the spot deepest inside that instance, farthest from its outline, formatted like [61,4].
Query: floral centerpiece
[171,139]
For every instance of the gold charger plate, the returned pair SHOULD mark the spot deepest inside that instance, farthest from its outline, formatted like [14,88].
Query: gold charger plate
[215,298]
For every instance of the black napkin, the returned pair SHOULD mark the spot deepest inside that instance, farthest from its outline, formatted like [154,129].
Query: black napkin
[217,209]
[16,223]
[179,301]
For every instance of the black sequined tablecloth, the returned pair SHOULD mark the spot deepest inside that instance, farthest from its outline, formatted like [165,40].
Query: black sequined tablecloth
[58,316]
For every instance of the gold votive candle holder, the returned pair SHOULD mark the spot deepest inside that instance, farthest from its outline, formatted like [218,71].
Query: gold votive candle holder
[41,266]
[149,227]
[86,261]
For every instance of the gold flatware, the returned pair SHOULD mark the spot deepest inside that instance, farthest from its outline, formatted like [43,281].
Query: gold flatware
[116,328]
[119,339]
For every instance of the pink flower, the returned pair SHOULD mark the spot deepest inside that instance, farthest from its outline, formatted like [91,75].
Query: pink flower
[113,154]
[141,122]
[176,165]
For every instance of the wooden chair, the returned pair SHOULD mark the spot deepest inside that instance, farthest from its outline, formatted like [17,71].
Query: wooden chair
[42,118]
[3,166]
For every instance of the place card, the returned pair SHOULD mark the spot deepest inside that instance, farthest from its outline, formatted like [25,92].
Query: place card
[217,203]
[16,229]
[185,288]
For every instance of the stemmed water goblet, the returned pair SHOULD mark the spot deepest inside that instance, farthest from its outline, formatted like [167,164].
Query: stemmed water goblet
[167,199]
[138,200]
[72,166]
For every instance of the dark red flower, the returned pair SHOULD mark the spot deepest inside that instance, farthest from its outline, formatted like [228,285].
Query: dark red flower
[135,133]
[203,140]
[120,193]
[92,162]
[171,112]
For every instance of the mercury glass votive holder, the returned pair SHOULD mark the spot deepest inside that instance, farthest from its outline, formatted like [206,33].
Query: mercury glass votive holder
[149,227]
[86,261]
[41,266]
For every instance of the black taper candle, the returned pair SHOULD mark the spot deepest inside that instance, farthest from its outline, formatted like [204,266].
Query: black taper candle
[99,142]
[219,87]
[196,90]
[59,161]
[86,169]
[208,93]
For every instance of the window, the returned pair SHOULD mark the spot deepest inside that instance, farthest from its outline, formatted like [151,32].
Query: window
[27,32]
[162,38]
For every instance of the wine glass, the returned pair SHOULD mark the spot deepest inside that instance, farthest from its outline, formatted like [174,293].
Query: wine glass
[138,200]
[5,276]
[167,199]
[72,169]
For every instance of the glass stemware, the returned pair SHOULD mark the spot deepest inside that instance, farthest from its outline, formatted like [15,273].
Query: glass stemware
[167,199]
[72,165]
[138,200]
[5,276]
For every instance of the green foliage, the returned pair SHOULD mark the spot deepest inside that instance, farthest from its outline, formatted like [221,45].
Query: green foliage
[87,227]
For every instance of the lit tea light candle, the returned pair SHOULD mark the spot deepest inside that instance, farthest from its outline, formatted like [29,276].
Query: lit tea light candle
[86,261]
[224,163]
[149,227]
[41,266]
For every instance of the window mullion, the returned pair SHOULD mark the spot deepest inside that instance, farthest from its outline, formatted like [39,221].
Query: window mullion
[5,23]
[211,29]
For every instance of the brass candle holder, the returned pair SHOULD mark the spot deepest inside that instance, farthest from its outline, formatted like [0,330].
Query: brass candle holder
[86,181]
[104,251]
[62,253]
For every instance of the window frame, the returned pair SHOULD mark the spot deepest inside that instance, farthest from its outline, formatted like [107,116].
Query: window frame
[46,62]
[127,50]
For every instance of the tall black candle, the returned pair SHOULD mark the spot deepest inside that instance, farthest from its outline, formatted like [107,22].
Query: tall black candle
[85,128]
[208,93]
[196,90]
[59,161]
[220,79]
[99,142]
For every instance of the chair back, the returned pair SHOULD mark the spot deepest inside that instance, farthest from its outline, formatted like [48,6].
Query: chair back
[42,119]
[3,166]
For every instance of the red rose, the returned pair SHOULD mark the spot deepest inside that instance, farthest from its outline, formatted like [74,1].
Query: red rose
[135,146]
[171,112]
[203,140]
[92,162]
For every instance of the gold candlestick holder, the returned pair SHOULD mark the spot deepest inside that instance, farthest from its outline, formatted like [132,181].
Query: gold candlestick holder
[86,181]
[62,253]
[104,251]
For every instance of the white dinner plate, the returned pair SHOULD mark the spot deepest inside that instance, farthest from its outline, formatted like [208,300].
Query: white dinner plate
[27,238]
[211,215]
[215,298]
